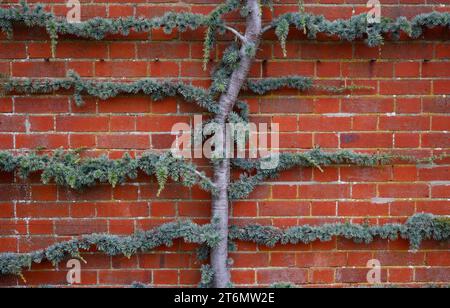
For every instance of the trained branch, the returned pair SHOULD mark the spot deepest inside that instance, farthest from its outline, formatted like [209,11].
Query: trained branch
[112,245]
[356,27]
[418,228]
[315,158]
[104,90]
[70,170]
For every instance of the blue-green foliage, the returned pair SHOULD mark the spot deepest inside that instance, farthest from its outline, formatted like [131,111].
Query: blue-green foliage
[69,169]
[207,276]
[97,28]
[157,90]
[417,229]
[215,24]
[111,245]
[316,158]
[357,27]
[266,85]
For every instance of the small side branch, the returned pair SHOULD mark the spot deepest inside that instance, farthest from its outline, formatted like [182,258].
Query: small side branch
[236,33]
[267,28]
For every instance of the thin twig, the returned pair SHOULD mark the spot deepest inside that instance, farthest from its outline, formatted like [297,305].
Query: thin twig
[237,33]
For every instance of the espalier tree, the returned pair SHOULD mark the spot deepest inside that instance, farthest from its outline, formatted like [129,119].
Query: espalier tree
[221,100]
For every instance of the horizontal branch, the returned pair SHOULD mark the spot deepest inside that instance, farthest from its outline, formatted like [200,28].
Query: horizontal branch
[357,27]
[301,83]
[417,229]
[96,28]
[104,90]
[315,158]
[70,170]
[112,245]
[263,86]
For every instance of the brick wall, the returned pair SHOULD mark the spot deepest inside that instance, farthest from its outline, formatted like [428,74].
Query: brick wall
[406,112]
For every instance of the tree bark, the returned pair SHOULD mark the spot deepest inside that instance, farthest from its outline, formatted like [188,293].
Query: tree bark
[220,202]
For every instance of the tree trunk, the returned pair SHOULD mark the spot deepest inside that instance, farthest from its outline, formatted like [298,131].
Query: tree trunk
[220,202]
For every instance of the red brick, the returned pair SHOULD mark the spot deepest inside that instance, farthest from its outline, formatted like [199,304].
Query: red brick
[82,124]
[404,190]
[83,50]
[269,276]
[325,124]
[400,275]
[250,260]
[356,275]
[124,277]
[434,207]
[440,191]
[406,140]
[367,69]
[121,50]
[404,123]
[365,174]
[159,123]
[38,69]
[48,141]
[362,209]
[391,258]
[6,105]
[326,51]
[282,259]
[324,191]
[284,192]
[277,69]
[436,69]
[78,227]
[434,274]
[243,276]
[407,51]
[323,209]
[122,209]
[441,86]
[440,123]
[162,50]
[12,50]
[407,69]
[405,87]
[141,142]
[162,209]
[281,208]
[165,277]
[322,276]
[321,259]
[44,192]
[367,140]
[439,258]
[40,210]
[12,123]
[6,142]
[129,104]
[436,140]
[8,244]
[41,124]
[121,69]
[436,105]
[367,105]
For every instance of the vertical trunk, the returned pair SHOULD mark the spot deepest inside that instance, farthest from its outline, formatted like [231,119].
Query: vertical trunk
[220,203]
